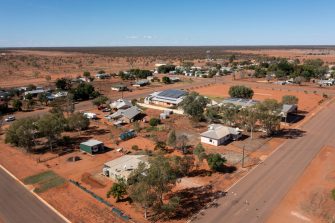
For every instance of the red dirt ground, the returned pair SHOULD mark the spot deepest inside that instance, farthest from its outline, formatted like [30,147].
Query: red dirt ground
[318,180]
[327,55]
[307,102]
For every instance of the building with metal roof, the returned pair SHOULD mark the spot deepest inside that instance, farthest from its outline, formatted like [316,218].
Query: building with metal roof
[219,134]
[92,146]
[121,104]
[239,102]
[123,166]
[126,115]
[171,97]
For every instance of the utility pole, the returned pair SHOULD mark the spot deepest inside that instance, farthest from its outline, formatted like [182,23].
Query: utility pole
[243,156]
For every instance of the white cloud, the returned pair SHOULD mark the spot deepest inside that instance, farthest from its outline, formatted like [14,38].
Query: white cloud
[131,37]
[147,37]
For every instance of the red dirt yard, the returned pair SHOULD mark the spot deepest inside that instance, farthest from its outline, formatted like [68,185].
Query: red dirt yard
[307,101]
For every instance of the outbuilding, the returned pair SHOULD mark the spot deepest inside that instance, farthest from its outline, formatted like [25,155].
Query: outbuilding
[92,146]
[218,134]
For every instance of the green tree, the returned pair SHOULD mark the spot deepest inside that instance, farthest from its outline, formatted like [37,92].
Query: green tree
[42,98]
[118,190]
[84,91]
[86,74]
[171,138]
[63,84]
[141,193]
[101,100]
[166,80]
[269,115]
[290,100]
[149,183]
[164,69]
[194,106]
[182,142]
[240,91]
[229,113]
[22,133]
[232,58]
[198,150]
[77,121]
[182,165]
[212,113]
[17,105]
[248,118]
[215,161]
[51,126]
[154,121]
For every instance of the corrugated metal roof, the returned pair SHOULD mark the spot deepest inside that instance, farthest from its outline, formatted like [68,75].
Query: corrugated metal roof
[91,142]
[217,131]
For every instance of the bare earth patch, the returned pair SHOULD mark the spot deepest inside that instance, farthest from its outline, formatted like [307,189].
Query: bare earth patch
[309,200]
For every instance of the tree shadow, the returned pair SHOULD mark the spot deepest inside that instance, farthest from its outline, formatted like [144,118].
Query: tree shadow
[199,173]
[227,169]
[95,130]
[290,133]
[192,200]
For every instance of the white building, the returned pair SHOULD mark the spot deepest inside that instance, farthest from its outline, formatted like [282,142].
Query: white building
[218,134]
[123,166]
[166,98]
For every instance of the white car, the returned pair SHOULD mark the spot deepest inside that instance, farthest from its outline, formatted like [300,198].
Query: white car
[90,115]
[10,118]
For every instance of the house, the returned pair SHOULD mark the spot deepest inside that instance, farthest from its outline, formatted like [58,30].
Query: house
[34,93]
[141,83]
[170,97]
[126,115]
[119,87]
[121,104]
[92,146]
[123,166]
[218,134]
[239,102]
[329,82]
[102,76]
[288,109]
[174,79]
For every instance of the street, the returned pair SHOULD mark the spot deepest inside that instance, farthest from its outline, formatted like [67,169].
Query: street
[18,205]
[254,197]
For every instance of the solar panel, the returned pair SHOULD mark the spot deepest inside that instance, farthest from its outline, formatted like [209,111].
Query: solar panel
[172,93]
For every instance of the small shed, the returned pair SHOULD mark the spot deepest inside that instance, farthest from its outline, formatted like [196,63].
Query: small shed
[92,146]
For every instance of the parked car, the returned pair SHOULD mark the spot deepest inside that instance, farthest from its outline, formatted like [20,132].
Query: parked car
[10,118]
[90,115]
[106,110]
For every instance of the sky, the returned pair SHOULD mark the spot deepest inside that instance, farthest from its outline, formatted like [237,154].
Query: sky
[53,23]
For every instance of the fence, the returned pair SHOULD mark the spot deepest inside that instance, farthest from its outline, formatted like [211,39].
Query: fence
[116,211]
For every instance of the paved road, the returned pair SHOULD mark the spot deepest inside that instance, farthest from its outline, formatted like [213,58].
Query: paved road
[18,205]
[255,196]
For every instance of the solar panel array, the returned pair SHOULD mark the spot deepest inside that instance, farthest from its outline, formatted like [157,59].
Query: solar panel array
[172,93]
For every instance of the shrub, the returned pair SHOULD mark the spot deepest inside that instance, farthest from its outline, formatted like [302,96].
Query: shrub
[240,91]
[154,121]
[215,161]
[333,194]
[135,147]
[290,100]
